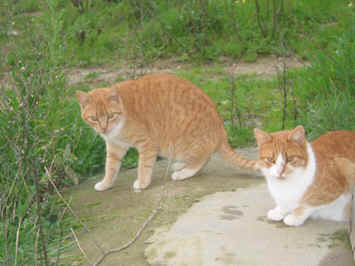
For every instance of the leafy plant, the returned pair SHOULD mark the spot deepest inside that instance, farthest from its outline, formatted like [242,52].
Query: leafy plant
[327,90]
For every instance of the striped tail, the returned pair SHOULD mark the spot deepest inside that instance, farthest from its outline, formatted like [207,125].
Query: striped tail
[235,159]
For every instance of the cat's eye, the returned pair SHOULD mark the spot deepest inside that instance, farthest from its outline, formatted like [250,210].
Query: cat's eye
[269,160]
[92,119]
[113,115]
[291,158]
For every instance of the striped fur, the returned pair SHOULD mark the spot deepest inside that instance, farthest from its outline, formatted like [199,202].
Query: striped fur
[161,115]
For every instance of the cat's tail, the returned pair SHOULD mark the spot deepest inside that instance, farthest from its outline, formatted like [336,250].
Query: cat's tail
[235,159]
[347,168]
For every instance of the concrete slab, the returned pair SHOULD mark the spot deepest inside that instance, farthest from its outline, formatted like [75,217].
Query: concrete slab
[230,228]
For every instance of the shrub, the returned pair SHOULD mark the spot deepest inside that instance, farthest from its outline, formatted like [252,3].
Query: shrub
[327,91]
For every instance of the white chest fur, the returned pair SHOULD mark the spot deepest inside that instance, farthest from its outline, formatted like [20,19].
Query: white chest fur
[287,192]
[114,136]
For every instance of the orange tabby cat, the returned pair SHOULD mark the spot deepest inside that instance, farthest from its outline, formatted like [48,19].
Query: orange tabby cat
[158,114]
[308,179]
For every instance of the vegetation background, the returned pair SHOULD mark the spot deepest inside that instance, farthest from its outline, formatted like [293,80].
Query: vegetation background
[44,145]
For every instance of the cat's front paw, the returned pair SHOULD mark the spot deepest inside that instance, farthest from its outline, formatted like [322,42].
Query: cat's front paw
[101,186]
[293,220]
[138,187]
[275,214]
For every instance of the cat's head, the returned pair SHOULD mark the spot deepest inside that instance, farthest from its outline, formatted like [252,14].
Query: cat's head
[101,108]
[281,153]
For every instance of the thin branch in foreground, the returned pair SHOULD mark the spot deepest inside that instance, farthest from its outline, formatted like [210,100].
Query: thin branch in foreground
[139,232]
[71,210]
[44,250]
[36,248]
[19,227]
[259,18]
[78,244]
[60,235]
[7,252]
[141,229]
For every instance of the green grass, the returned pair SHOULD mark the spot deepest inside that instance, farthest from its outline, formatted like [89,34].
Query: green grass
[55,36]
[109,31]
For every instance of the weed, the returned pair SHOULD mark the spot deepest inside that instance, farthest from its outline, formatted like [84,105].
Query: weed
[97,32]
[326,90]
[43,136]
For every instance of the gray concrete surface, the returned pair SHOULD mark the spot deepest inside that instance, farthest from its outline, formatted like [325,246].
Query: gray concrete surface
[215,218]
[230,228]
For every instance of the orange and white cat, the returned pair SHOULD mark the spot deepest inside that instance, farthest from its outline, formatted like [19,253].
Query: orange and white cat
[308,179]
[161,115]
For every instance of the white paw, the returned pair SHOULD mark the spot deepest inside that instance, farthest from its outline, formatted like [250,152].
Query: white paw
[275,214]
[183,174]
[137,187]
[293,220]
[101,186]
[176,176]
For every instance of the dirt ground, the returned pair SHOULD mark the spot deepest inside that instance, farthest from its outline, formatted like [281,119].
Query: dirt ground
[114,216]
[263,67]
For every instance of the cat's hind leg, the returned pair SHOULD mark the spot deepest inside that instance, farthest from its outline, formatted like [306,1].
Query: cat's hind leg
[190,169]
[176,166]
[337,210]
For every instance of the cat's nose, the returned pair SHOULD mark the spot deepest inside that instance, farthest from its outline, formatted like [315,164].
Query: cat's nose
[103,123]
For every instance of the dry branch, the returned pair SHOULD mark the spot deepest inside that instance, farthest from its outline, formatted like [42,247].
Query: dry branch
[144,225]
[69,207]
[139,232]
[79,246]
[60,235]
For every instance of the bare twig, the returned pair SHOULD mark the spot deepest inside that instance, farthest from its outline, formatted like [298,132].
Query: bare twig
[60,235]
[19,227]
[234,107]
[294,101]
[129,243]
[69,207]
[144,225]
[36,248]
[282,83]
[267,10]
[17,240]
[39,215]
[7,253]
[232,14]
[276,16]
[79,246]
[259,18]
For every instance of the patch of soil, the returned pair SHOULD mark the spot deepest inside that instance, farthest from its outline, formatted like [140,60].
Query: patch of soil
[264,67]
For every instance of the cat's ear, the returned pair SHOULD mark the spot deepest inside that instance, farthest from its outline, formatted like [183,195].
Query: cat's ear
[261,136]
[83,98]
[298,135]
